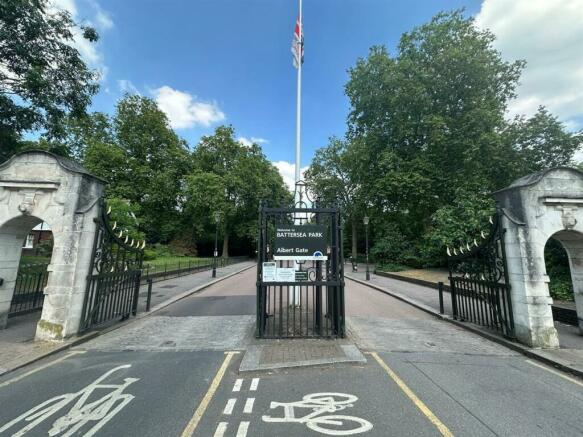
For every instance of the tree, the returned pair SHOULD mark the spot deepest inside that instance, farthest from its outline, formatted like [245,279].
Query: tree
[143,160]
[231,179]
[332,177]
[42,77]
[541,141]
[428,140]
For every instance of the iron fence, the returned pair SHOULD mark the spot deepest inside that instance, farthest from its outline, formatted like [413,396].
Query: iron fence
[181,268]
[479,285]
[312,305]
[485,303]
[29,289]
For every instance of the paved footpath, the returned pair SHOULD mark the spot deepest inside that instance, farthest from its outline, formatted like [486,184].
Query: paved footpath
[176,373]
[17,345]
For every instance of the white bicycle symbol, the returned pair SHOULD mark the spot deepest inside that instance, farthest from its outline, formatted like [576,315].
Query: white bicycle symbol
[82,412]
[316,420]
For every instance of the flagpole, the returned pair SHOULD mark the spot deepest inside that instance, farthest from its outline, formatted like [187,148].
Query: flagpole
[299,103]
[294,294]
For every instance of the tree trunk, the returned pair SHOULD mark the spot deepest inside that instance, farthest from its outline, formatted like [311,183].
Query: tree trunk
[354,239]
[226,245]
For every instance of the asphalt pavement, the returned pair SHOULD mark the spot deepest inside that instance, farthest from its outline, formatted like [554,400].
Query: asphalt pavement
[176,373]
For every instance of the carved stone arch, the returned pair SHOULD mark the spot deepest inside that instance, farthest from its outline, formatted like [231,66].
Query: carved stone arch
[535,208]
[38,186]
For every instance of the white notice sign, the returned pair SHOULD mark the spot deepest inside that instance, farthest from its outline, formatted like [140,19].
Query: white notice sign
[285,274]
[269,272]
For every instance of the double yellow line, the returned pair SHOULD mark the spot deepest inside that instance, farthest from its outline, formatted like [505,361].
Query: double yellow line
[199,412]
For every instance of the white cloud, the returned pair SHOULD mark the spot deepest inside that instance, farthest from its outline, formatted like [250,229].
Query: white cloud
[89,50]
[247,142]
[548,34]
[185,110]
[103,20]
[126,86]
[287,170]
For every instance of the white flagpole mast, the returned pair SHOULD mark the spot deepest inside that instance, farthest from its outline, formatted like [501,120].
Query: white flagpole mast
[294,292]
[299,101]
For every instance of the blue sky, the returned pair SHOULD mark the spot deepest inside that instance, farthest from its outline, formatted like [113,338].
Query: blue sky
[210,62]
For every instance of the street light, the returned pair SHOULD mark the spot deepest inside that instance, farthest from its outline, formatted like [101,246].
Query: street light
[216,252]
[365,221]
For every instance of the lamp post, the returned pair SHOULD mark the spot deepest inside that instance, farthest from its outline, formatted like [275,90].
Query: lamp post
[365,221]
[216,252]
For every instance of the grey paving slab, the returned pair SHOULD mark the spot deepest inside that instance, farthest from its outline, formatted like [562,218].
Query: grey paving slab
[299,353]
[414,335]
[178,333]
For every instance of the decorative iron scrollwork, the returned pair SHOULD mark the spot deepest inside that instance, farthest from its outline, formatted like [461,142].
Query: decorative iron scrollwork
[481,261]
[112,252]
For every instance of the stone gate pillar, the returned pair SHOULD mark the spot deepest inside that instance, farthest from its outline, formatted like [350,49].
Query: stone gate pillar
[38,186]
[535,208]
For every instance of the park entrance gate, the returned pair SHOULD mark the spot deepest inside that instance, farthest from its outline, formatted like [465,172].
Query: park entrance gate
[300,298]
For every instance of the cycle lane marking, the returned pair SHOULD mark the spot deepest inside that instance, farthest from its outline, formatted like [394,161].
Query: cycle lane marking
[221,429]
[82,412]
[444,430]
[554,372]
[199,412]
[242,430]
[230,406]
[38,369]
[238,384]
[248,409]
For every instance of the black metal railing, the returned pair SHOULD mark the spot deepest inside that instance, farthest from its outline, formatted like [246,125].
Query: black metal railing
[29,289]
[479,285]
[312,303]
[485,303]
[112,296]
[161,272]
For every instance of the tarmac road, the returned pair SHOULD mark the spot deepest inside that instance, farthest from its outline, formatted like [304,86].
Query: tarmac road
[175,373]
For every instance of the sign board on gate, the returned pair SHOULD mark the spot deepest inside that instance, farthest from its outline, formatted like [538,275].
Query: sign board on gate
[285,274]
[269,272]
[300,243]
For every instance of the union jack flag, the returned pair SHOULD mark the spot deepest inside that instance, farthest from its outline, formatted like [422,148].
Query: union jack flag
[297,47]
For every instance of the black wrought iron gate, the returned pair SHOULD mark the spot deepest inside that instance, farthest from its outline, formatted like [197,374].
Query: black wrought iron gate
[312,304]
[114,283]
[479,285]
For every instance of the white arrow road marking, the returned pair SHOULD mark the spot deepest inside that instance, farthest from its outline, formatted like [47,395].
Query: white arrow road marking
[221,428]
[242,430]
[238,384]
[248,409]
[229,407]
[254,384]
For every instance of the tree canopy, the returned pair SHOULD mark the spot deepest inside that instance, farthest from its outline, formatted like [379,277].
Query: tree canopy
[428,138]
[42,76]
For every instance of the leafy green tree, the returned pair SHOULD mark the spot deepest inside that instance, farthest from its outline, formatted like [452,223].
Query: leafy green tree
[428,140]
[144,162]
[540,142]
[332,177]
[42,76]
[230,179]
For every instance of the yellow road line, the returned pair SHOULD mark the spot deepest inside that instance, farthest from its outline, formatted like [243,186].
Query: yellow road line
[444,430]
[38,369]
[554,372]
[194,421]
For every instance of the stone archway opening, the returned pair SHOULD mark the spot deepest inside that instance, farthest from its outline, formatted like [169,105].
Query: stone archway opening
[32,275]
[564,268]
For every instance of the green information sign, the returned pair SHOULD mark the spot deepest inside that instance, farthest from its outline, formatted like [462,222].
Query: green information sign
[307,242]
[301,276]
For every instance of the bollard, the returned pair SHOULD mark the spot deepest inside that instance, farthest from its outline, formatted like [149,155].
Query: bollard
[149,299]
[440,290]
